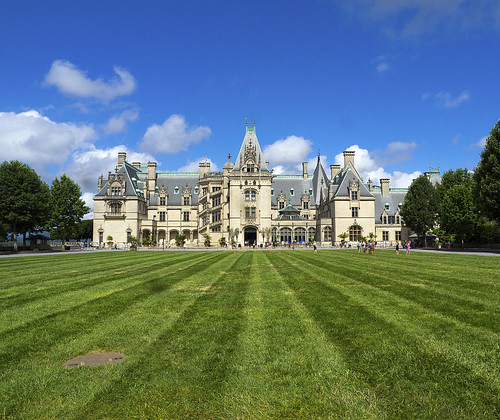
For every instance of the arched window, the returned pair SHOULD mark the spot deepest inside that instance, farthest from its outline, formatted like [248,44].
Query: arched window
[300,235]
[311,234]
[327,234]
[286,235]
[354,233]
[116,208]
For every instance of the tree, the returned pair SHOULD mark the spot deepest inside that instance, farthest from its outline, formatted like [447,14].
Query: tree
[67,208]
[24,199]
[180,240]
[420,207]
[222,241]
[84,229]
[208,239]
[458,214]
[487,176]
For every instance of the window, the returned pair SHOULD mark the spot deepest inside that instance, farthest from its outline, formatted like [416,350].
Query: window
[398,220]
[176,190]
[216,201]
[216,217]
[292,192]
[185,216]
[116,191]
[215,189]
[385,235]
[354,212]
[101,237]
[398,235]
[250,167]
[354,195]
[272,191]
[253,195]
[387,207]
[186,201]
[354,233]
[252,212]
[327,234]
[247,195]
[205,191]
[216,229]
[162,201]
[129,235]
[116,208]
[305,205]
[162,216]
[281,205]
[310,191]
[196,190]
[384,220]
[392,220]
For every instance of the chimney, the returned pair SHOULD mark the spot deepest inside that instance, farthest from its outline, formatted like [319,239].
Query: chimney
[137,165]
[334,170]
[151,176]
[304,170]
[99,183]
[204,169]
[348,158]
[370,185]
[122,156]
[267,165]
[384,185]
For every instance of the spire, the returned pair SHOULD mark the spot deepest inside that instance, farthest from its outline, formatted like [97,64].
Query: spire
[250,150]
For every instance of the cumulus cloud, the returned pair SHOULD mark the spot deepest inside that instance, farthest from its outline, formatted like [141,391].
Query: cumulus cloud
[286,155]
[481,143]
[118,123]
[173,135]
[72,81]
[369,167]
[87,165]
[36,140]
[194,165]
[88,197]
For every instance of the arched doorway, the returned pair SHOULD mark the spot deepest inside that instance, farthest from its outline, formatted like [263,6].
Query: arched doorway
[250,235]
[286,235]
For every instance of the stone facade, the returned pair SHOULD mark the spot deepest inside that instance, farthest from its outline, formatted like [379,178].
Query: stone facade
[245,203]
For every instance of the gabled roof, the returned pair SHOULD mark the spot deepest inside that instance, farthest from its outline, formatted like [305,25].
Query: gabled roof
[133,181]
[250,144]
[343,186]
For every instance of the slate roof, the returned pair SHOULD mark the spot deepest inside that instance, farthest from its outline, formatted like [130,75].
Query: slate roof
[170,180]
[250,140]
[393,199]
[285,183]
[342,186]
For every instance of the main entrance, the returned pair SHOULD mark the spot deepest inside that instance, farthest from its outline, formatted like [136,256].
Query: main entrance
[250,236]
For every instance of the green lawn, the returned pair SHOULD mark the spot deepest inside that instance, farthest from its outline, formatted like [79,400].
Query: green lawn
[251,335]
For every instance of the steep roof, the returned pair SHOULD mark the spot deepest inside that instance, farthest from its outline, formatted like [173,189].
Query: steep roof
[250,148]
[320,183]
[343,184]
[286,184]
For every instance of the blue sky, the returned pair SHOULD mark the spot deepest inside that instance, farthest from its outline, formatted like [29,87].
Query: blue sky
[405,83]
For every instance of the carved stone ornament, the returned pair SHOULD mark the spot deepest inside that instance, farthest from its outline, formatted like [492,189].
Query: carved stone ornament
[250,152]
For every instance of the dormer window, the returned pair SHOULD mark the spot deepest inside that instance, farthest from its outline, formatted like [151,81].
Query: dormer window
[250,167]
[176,190]
[292,192]
[272,191]
[310,191]
[387,207]
[196,190]
[116,191]
[354,195]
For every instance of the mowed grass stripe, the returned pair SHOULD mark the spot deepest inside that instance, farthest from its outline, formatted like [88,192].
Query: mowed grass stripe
[286,368]
[182,373]
[44,282]
[133,331]
[478,311]
[97,285]
[428,384]
[97,307]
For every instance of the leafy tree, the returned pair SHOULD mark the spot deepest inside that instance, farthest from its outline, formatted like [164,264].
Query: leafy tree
[420,207]
[208,239]
[458,214]
[487,176]
[24,199]
[343,236]
[180,240]
[67,208]
[84,229]
[132,240]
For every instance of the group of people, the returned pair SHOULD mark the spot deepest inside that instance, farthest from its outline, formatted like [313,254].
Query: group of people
[407,245]
[366,247]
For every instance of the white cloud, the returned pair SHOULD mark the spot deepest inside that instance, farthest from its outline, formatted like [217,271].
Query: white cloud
[87,165]
[88,197]
[72,81]
[118,123]
[38,141]
[287,151]
[370,168]
[446,100]
[194,166]
[481,143]
[173,135]
[410,18]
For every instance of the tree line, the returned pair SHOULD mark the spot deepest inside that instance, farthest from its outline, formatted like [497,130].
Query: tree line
[27,204]
[465,206]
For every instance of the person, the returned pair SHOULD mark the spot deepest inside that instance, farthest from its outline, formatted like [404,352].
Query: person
[397,248]
[315,247]
[408,248]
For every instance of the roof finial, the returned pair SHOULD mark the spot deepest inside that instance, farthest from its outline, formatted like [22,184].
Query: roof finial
[246,121]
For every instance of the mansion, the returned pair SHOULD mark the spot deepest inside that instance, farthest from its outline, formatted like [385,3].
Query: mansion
[245,203]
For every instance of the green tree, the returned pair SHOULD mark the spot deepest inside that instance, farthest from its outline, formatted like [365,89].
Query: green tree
[343,236]
[420,206]
[84,229]
[67,208]
[180,240]
[458,214]
[24,199]
[207,238]
[222,241]
[487,176]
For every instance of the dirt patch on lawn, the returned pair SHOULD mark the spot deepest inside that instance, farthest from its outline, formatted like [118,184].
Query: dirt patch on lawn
[95,359]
